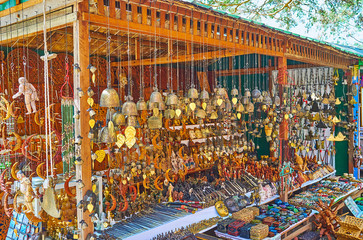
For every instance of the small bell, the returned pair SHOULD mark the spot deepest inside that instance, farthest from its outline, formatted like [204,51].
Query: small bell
[90,92]
[192,93]
[172,99]
[204,95]
[109,98]
[129,107]
[141,105]
[256,94]
[156,97]
[118,119]
[234,92]
[107,136]
[315,107]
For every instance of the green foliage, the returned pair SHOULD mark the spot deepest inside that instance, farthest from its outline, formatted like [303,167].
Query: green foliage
[341,19]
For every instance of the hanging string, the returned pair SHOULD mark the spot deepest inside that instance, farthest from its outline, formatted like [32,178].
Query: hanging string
[48,146]
[177,52]
[129,74]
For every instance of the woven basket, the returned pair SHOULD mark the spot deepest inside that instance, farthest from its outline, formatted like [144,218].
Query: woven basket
[255,211]
[245,215]
[259,232]
[351,228]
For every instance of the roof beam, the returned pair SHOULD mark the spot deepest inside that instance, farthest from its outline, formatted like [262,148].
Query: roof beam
[181,58]
[124,25]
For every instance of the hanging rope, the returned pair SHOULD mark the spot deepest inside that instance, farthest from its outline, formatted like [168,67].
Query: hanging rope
[48,146]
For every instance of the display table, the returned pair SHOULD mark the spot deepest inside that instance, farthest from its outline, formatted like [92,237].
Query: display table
[304,225]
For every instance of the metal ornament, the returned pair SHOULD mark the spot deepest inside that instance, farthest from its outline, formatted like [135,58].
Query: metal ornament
[172,99]
[118,119]
[108,133]
[204,95]
[109,98]
[156,97]
[141,105]
[129,107]
[193,93]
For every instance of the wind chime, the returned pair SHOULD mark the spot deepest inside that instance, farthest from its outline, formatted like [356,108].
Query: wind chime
[67,111]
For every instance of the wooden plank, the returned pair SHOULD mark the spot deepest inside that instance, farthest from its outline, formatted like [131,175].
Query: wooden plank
[112,8]
[145,29]
[180,58]
[100,7]
[144,14]
[134,12]
[20,7]
[123,10]
[299,231]
[81,80]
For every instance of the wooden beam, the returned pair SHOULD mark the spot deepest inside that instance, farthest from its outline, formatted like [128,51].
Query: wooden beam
[166,33]
[244,71]
[181,58]
[320,61]
[10,34]
[19,7]
[81,80]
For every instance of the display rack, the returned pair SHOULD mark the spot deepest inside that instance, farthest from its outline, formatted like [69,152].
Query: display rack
[308,183]
[303,224]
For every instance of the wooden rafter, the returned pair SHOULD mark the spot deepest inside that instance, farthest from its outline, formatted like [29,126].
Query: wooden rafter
[182,58]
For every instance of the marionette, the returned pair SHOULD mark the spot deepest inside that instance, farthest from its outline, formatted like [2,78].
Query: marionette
[30,94]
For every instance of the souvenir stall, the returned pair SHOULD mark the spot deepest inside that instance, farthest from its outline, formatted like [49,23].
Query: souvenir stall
[167,120]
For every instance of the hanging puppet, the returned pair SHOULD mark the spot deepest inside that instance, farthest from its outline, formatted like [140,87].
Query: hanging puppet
[30,94]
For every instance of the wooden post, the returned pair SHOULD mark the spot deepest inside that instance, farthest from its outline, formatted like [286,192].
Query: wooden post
[351,133]
[81,80]
[283,134]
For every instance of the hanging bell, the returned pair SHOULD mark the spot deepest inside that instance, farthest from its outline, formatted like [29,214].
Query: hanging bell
[247,93]
[321,125]
[109,98]
[204,95]
[200,113]
[118,119]
[255,94]
[90,92]
[240,108]
[141,105]
[338,102]
[172,99]
[222,92]
[156,97]
[107,134]
[234,92]
[129,107]
[193,93]
[315,107]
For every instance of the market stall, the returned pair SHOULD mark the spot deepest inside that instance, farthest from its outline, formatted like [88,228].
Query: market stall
[130,120]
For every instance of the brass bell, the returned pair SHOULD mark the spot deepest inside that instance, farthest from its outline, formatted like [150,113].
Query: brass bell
[118,119]
[141,105]
[90,92]
[247,93]
[109,98]
[156,96]
[193,93]
[240,108]
[200,113]
[162,106]
[222,92]
[129,107]
[204,95]
[214,115]
[234,92]
[256,94]
[107,136]
[172,99]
